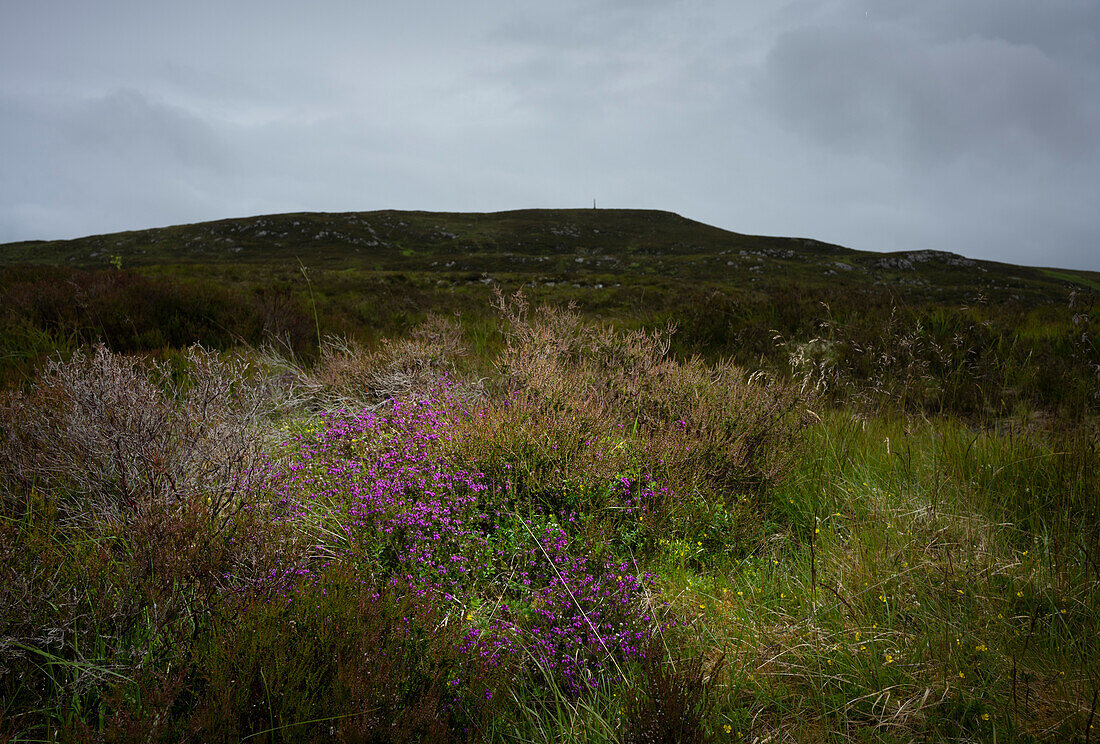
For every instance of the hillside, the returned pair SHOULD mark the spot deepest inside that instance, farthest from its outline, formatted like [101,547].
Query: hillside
[926,330]
[669,483]
[591,248]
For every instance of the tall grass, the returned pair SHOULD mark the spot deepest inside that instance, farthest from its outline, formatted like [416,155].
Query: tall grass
[591,541]
[922,583]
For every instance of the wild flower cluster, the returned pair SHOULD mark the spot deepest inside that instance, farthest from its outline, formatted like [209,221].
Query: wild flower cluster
[377,491]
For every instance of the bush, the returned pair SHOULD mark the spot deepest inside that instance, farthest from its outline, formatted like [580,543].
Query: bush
[106,434]
[348,375]
[340,658]
[604,423]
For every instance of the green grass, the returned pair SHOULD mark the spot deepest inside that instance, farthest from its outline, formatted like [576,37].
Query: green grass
[1085,279]
[890,532]
[947,582]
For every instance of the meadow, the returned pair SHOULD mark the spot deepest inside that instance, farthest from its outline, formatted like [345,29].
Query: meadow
[790,511]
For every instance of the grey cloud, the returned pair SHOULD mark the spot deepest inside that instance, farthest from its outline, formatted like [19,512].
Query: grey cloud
[878,85]
[126,125]
[1061,29]
[103,163]
[941,137]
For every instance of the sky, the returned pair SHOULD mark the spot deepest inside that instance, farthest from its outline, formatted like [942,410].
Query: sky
[970,126]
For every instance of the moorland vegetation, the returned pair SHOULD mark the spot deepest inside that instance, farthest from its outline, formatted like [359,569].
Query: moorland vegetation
[256,497]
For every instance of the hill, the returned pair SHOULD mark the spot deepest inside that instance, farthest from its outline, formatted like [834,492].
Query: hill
[588,247]
[929,329]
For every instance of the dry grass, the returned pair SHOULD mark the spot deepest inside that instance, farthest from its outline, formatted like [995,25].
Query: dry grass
[106,433]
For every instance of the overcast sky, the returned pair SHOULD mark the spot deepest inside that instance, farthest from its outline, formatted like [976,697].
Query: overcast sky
[964,125]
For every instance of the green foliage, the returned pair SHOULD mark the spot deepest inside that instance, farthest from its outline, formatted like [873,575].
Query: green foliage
[47,309]
[911,566]
[982,362]
[925,332]
[606,425]
[342,659]
[914,556]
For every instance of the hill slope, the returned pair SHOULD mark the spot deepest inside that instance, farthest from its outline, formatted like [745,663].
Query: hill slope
[546,246]
[926,330]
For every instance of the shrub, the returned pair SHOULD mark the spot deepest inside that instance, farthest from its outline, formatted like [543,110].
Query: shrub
[108,433]
[375,490]
[348,375]
[606,424]
[738,429]
[45,309]
[345,659]
[978,362]
[97,617]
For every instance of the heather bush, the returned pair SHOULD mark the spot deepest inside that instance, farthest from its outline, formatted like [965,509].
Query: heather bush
[349,375]
[607,424]
[95,614]
[106,433]
[733,430]
[406,515]
[129,504]
[338,657]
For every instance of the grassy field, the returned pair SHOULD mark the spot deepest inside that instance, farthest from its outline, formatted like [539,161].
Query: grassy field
[873,519]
